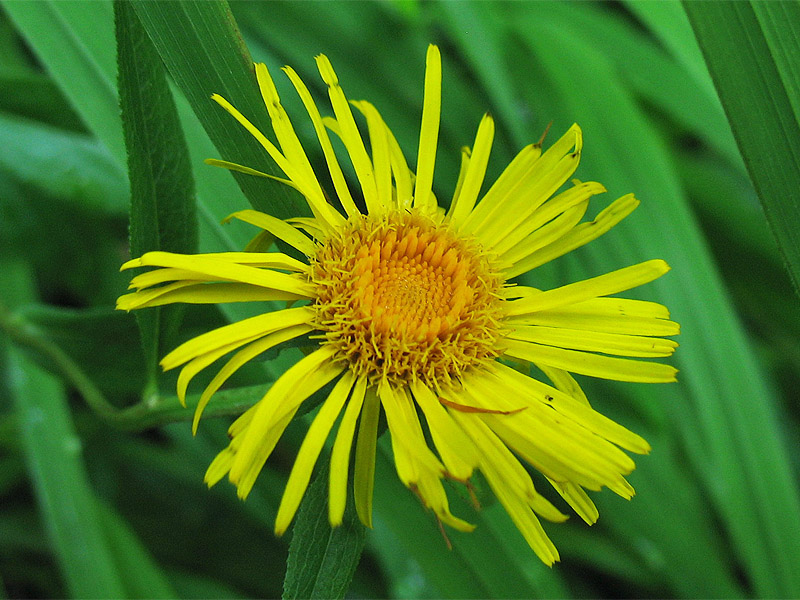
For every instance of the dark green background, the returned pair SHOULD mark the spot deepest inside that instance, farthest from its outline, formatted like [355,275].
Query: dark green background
[99,499]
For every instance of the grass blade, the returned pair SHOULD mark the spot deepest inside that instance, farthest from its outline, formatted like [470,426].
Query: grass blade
[162,213]
[58,29]
[79,56]
[140,574]
[202,48]
[75,166]
[65,497]
[747,46]
[727,413]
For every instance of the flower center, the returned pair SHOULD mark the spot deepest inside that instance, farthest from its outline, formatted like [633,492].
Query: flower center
[401,297]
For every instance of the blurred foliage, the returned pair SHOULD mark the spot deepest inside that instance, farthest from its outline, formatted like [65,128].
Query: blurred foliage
[91,475]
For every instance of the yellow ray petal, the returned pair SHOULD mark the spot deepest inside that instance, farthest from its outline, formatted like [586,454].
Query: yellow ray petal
[242,357]
[402,434]
[240,330]
[366,447]
[545,235]
[467,194]
[564,452]
[349,131]
[381,158]
[309,225]
[339,183]
[199,292]
[231,166]
[304,176]
[274,153]
[466,154]
[579,236]
[268,260]
[538,182]
[458,453]
[416,465]
[605,367]
[495,467]
[562,449]
[610,315]
[309,452]
[280,229]
[292,170]
[402,175]
[219,467]
[498,460]
[592,341]
[527,523]
[194,366]
[526,234]
[340,454]
[572,406]
[564,382]
[283,398]
[429,131]
[603,285]
[511,182]
[225,270]
[430,490]
[578,499]
[539,440]
[246,478]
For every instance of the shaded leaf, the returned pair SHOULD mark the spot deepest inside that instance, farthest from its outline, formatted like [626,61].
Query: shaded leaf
[322,559]
[66,500]
[64,164]
[79,56]
[759,91]
[162,189]
[202,48]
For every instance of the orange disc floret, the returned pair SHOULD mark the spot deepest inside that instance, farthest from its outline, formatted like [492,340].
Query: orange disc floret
[402,298]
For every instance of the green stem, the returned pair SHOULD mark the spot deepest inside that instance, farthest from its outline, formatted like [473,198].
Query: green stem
[151,411]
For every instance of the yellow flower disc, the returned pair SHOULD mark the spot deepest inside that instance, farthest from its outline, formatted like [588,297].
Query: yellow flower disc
[401,298]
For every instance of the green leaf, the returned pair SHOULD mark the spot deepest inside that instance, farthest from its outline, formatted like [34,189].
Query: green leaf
[66,501]
[322,559]
[668,22]
[467,21]
[35,96]
[140,574]
[203,50]
[493,561]
[79,55]
[65,497]
[723,409]
[751,49]
[162,189]
[79,332]
[58,29]
[650,71]
[64,164]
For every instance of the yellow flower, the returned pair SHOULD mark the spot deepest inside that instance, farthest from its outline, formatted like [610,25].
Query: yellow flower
[412,312]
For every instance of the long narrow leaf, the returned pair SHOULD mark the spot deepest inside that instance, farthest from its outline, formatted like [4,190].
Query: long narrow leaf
[748,47]
[140,574]
[75,167]
[162,189]
[66,500]
[727,413]
[79,56]
[58,29]
[203,50]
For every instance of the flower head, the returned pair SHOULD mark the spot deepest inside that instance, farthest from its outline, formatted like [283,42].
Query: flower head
[412,311]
